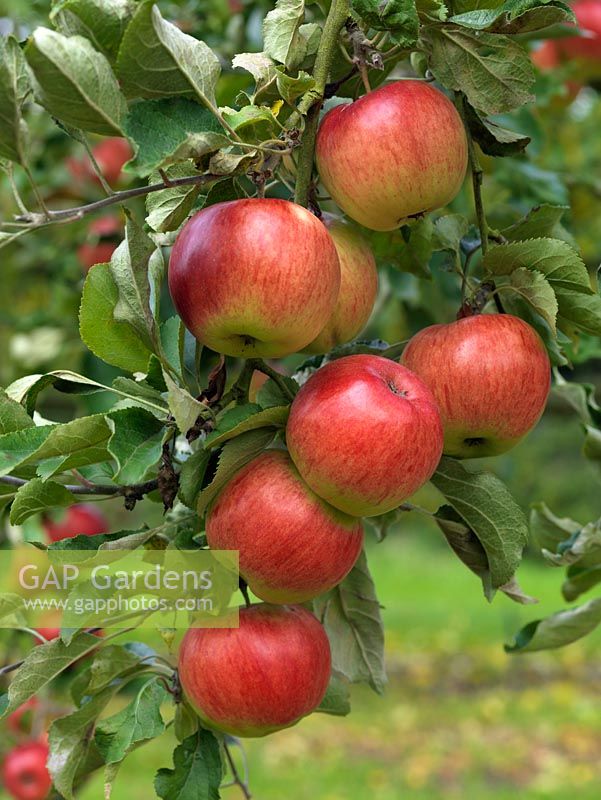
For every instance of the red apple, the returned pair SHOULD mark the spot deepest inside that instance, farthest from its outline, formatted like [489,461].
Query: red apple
[261,677]
[48,633]
[17,722]
[111,154]
[103,236]
[394,154]
[24,772]
[546,57]
[254,277]
[82,519]
[365,434]
[587,46]
[90,254]
[293,545]
[490,375]
[358,287]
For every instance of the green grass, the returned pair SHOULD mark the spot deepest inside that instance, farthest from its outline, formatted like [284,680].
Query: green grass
[460,718]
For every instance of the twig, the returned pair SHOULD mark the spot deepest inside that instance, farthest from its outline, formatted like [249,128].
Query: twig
[261,366]
[311,102]
[476,170]
[135,491]
[96,167]
[238,781]
[68,214]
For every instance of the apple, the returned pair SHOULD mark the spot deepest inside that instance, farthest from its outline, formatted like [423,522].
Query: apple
[358,287]
[91,254]
[393,155]
[365,434]
[24,772]
[261,677]
[48,633]
[490,375]
[587,46]
[254,277]
[292,545]
[18,721]
[79,520]
[111,154]
[103,236]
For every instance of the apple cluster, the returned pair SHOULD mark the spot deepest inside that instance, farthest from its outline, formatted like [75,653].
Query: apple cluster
[267,278]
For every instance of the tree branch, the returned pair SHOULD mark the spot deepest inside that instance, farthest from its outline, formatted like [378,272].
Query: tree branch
[135,491]
[277,377]
[237,780]
[311,102]
[476,171]
[69,214]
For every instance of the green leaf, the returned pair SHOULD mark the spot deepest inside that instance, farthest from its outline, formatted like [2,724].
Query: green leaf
[139,721]
[337,700]
[169,208]
[558,630]
[540,221]
[36,496]
[351,616]
[489,510]
[72,445]
[43,664]
[191,476]
[516,16]
[291,88]
[397,16]
[186,722]
[281,36]
[548,530]
[270,394]
[197,770]
[136,444]
[75,83]
[260,66]
[494,72]
[157,59]
[247,418]
[137,268]
[580,396]
[583,547]
[18,446]
[468,548]
[112,662]
[579,310]
[170,131]
[493,139]
[235,454]
[185,408]
[408,249]
[14,88]
[103,22]
[537,291]
[113,341]
[70,740]
[13,417]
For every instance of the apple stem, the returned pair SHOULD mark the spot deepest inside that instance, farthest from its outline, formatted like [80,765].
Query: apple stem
[477,175]
[261,366]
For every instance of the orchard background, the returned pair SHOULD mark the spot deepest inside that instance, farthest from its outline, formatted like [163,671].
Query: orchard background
[460,715]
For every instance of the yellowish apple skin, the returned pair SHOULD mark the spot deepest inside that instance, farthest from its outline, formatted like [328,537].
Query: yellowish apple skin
[358,287]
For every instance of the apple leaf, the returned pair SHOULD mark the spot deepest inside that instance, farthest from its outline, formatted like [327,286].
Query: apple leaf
[397,16]
[558,630]
[103,22]
[247,418]
[548,530]
[236,454]
[13,417]
[169,208]
[516,16]
[271,394]
[540,221]
[580,396]
[537,291]
[139,721]
[584,547]
[485,505]
[70,740]
[351,616]
[260,66]
[135,443]
[169,131]
[75,83]
[14,88]
[185,408]
[493,139]
[137,268]
[292,88]
[468,548]
[579,310]
[281,32]
[197,770]
[494,72]
[337,700]
[112,662]
[157,59]
[43,663]
[36,496]
[17,446]
[192,475]
[114,341]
